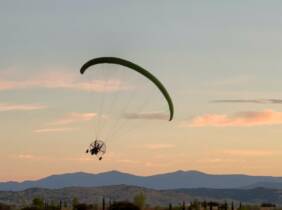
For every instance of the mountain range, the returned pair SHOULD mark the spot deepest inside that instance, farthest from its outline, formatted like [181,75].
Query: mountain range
[174,180]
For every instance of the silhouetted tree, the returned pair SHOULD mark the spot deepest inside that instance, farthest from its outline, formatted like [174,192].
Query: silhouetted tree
[84,206]
[269,205]
[158,208]
[30,208]
[52,207]
[80,206]
[5,207]
[210,205]
[74,202]
[124,206]
[204,204]
[110,203]
[224,206]
[38,202]
[65,204]
[104,204]
[95,206]
[240,206]
[183,205]
[195,205]
[140,200]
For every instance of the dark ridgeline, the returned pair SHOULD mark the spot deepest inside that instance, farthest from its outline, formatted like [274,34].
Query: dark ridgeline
[142,197]
[40,204]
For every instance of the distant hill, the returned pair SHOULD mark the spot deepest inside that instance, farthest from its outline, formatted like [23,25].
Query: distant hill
[154,197]
[174,180]
[269,185]
[256,195]
[93,195]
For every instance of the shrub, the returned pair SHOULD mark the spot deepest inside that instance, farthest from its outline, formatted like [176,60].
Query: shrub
[124,206]
[4,207]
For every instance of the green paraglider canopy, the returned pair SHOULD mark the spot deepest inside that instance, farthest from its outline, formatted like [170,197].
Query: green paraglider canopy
[134,67]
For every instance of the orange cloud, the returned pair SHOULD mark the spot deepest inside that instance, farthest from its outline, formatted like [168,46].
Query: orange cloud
[31,157]
[49,130]
[74,117]
[26,156]
[63,81]
[7,85]
[250,153]
[255,101]
[159,146]
[128,161]
[240,119]
[20,107]
[220,160]
[147,116]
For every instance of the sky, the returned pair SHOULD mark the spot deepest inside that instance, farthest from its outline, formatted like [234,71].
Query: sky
[219,60]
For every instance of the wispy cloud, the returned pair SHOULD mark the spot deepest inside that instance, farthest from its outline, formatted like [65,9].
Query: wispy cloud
[239,119]
[147,116]
[256,101]
[220,160]
[79,159]
[26,156]
[159,146]
[70,118]
[128,161]
[249,152]
[31,157]
[155,165]
[52,130]
[7,85]
[64,81]
[20,107]
[36,157]
[240,155]
[74,117]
